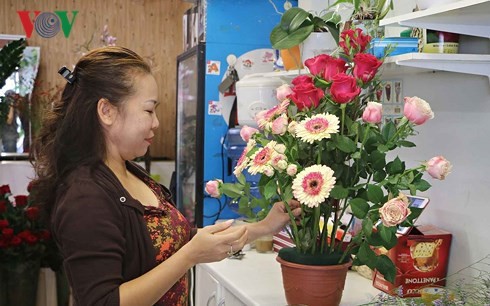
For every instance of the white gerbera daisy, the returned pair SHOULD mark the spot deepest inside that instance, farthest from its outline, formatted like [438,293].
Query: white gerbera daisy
[313,185]
[317,127]
[261,160]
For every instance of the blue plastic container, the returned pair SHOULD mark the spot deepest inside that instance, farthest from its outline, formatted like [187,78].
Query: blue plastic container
[401,45]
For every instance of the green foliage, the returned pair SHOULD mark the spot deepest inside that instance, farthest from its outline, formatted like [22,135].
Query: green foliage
[296,25]
[10,57]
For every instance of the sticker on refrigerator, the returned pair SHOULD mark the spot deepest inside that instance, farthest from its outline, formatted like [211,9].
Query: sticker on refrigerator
[214,108]
[213,67]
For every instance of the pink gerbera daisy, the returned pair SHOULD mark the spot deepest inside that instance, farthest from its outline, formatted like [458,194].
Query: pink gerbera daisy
[313,185]
[261,160]
[244,159]
[317,127]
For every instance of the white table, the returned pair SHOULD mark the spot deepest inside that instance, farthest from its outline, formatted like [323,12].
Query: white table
[256,280]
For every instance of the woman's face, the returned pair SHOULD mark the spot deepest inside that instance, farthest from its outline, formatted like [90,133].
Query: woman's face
[136,121]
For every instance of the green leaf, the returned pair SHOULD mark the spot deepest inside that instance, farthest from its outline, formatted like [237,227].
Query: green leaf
[360,207]
[386,267]
[232,190]
[345,144]
[387,233]
[395,167]
[407,144]
[389,130]
[379,176]
[375,193]
[378,160]
[339,192]
[367,256]
[422,185]
[270,189]
[367,227]
[241,179]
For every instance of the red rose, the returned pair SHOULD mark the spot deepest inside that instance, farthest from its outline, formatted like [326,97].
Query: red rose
[344,88]
[3,244]
[326,66]
[31,239]
[32,213]
[4,189]
[20,200]
[366,66]
[3,206]
[354,41]
[4,223]
[15,241]
[7,232]
[24,234]
[30,186]
[305,94]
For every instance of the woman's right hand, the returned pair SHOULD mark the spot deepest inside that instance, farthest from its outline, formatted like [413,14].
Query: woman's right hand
[212,244]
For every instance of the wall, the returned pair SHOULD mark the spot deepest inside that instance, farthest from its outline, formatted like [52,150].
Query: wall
[461,104]
[151,28]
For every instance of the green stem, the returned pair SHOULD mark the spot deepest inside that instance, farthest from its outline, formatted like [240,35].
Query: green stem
[342,107]
[316,225]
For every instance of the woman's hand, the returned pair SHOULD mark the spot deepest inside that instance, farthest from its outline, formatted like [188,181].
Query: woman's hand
[278,216]
[215,242]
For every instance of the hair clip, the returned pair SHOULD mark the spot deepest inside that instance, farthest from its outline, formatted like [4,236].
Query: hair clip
[67,74]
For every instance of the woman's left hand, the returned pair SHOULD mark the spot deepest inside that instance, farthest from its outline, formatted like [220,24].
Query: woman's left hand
[278,216]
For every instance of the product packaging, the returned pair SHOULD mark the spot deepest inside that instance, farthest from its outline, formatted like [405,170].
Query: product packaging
[421,259]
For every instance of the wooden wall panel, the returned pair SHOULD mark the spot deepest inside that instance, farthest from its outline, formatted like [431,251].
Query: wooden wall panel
[152,28]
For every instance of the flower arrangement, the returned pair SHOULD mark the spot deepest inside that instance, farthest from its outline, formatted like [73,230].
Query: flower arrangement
[324,146]
[23,235]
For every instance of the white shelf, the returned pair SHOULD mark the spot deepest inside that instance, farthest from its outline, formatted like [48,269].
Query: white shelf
[476,64]
[469,17]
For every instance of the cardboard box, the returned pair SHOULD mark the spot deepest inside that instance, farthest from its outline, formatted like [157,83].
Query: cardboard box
[421,259]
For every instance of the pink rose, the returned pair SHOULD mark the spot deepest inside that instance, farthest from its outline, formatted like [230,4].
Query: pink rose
[246,132]
[373,112]
[283,91]
[344,88]
[212,188]
[326,66]
[417,110]
[438,167]
[366,66]
[395,211]
[280,125]
[305,94]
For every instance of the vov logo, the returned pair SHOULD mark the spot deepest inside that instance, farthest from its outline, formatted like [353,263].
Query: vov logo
[47,24]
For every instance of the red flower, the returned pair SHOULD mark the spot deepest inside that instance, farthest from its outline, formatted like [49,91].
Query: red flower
[24,234]
[366,66]
[305,94]
[354,41]
[326,66]
[3,206]
[32,213]
[20,200]
[7,232]
[30,186]
[344,88]
[31,239]
[3,243]
[4,223]
[5,189]
[15,241]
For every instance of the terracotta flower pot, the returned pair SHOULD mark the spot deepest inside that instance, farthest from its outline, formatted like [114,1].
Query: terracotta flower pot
[313,285]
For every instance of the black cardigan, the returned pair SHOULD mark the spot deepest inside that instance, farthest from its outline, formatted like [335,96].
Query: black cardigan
[102,234]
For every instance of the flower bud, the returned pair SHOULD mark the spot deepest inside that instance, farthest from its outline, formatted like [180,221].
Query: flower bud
[373,112]
[212,188]
[246,132]
[292,169]
[283,92]
[280,125]
[417,110]
[438,167]
[280,148]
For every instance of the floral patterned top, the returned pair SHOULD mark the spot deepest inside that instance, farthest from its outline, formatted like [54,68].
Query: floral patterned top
[169,231]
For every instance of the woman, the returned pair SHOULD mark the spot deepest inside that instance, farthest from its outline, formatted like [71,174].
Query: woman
[122,241]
